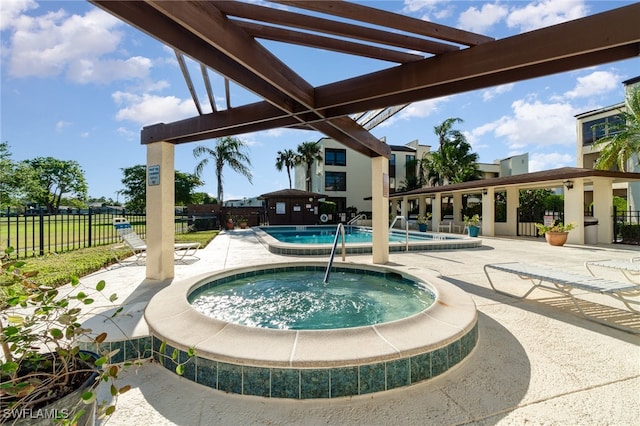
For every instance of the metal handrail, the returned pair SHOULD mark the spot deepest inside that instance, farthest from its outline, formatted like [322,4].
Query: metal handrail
[406,230]
[357,218]
[333,251]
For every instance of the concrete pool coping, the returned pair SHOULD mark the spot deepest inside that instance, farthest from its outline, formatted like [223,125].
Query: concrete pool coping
[441,241]
[170,318]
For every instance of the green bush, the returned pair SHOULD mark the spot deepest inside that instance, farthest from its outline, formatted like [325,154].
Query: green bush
[630,234]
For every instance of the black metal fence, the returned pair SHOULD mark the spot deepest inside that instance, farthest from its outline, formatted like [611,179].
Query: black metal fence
[626,226]
[42,233]
[528,217]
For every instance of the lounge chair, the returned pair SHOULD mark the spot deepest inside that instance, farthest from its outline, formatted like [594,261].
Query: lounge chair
[139,248]
[565,283]
[629,269]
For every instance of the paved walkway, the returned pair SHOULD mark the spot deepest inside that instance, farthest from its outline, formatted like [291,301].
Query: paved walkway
[536,363]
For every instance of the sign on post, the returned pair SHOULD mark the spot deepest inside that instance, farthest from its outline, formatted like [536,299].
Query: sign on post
[153,175]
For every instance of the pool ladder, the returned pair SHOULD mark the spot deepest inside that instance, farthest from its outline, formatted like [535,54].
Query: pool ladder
[406,230]
[339,230]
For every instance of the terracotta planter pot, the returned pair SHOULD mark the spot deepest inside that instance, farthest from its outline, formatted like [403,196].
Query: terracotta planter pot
[556,238]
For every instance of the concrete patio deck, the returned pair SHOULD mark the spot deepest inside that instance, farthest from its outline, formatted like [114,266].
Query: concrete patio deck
[536,362]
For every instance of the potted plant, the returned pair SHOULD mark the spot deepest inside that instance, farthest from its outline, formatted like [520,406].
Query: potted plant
[230,225]
[423,222]
[45,376]
[472,223]
[243,222]
[556,234]
[43,372]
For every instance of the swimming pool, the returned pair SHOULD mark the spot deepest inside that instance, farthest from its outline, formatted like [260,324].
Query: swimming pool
[324,234]
[317,240]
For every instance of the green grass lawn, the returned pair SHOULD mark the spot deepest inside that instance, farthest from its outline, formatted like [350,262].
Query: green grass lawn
[58,269]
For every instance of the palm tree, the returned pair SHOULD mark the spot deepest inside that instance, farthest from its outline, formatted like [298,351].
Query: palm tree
[286,159]
[308,152]
[453,162]
[623,139]
[229,151]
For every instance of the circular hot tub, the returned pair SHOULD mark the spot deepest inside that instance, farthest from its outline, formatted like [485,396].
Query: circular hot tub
[312,363]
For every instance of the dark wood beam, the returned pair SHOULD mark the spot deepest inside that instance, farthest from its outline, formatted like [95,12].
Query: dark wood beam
[208,23]
[389,19]
[540,48]
[342,29]
[142,16]
[326,43]
[351,134]
[487,80]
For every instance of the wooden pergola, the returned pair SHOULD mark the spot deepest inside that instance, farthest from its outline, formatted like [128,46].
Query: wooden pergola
[416,60]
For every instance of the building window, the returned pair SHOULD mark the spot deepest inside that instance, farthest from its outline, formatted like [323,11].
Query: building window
[596,129]
[335,157]
[335,181]
[410,166]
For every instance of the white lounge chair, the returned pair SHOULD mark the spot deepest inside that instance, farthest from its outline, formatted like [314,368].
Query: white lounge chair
[566,282]
[630,269]
[139,248]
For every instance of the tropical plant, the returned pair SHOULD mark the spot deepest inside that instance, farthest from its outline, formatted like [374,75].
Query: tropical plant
[308,152]
[453,162]
[286,160]
[424,219]
[556,226]
[471,220]
[227,150]
[623,138]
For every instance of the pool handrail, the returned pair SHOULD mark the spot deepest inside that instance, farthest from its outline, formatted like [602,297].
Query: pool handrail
[333,251]
[357,218]
[406,229]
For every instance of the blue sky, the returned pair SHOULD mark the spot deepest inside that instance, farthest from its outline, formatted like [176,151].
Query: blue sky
[77,84]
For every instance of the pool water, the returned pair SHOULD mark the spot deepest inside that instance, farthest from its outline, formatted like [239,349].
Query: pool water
[326,235]
[299,300]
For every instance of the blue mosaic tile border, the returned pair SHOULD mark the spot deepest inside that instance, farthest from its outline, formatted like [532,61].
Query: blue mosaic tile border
[131,349]
[303,383]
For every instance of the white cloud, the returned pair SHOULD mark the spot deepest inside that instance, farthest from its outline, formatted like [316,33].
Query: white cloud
[480,20]
[497,90]
[418,5]
[60,125]
[544,13]
[554,160]
[127,134]
[420,109]
[11,10]
[149,109]
[56,43]
[594,84]
[537,124]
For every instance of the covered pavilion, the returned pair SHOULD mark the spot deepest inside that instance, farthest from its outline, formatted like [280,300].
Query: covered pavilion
[575,182]
[414,60]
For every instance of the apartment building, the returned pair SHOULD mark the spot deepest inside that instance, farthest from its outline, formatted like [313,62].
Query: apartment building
[344,175]
[595,124]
